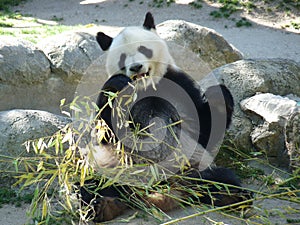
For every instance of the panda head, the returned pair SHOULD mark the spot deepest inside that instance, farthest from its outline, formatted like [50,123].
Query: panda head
[136,52]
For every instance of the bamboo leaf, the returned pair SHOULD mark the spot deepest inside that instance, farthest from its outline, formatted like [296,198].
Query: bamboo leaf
[57,144]
[69,205]
[82,175]
[109,101]
[44,208]
[66,113]
[137,171]
[95,106]
[50,143]
[111,94]
[75,108]
[40,166]
[68,137]
[27,145]
[153,172]
[15,162]
[62,102]
[81,125]
[68,153]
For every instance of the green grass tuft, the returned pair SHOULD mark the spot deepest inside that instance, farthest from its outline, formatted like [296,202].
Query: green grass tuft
[161,3]
[6,4]
[197,4]
[243,23]
[10,196]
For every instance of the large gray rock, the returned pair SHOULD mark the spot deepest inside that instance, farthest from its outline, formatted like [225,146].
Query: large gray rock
[19,126]
[272,108]
[24,75]
[269,138]
[269,114]
[292,138]
[206,43]
[21,63]
[245,78]
[71,54]
[28,82]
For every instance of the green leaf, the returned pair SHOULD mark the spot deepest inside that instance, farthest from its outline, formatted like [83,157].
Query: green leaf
[62,102]
[40,166]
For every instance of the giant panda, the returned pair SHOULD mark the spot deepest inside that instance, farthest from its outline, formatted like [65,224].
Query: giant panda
[139,64]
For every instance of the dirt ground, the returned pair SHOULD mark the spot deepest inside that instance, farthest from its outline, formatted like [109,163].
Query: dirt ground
[264,39]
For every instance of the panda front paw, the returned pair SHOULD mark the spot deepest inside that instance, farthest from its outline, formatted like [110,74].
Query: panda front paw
[107,208]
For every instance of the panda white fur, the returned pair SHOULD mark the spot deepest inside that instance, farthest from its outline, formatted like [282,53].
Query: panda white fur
[139,58]
[136,51]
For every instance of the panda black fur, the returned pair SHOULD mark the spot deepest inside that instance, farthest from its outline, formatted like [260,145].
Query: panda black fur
[132,56]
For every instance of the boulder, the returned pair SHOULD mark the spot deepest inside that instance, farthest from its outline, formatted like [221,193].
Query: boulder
[21,63]
[24,75]
[272,108]
[71,54]
[269,114]
[29,81]
[19,126]
[206,43]
[245,78]
[292,138]
[269,138]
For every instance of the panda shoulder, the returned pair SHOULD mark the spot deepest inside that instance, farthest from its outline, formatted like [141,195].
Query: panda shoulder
[185,81]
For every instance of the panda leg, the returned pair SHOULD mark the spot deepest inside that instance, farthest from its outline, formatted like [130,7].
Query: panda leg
[214,195]
[164,202]
[106,204]
[108,208]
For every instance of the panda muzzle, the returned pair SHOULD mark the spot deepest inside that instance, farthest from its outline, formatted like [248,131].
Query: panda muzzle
[139,75]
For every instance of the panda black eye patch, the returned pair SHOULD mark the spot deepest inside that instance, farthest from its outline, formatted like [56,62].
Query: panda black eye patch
[146,51]
[121,62]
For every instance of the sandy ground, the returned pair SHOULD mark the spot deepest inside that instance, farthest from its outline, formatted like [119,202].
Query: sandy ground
[11,215]
[263,39]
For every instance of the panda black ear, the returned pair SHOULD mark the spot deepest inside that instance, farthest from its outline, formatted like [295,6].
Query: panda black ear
[149,22]
[104,40]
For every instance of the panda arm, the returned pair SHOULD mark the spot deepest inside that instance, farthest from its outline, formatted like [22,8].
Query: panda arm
[199,100]
[206,103]
[188,84]
[213,95]
[114,84]
[219,109]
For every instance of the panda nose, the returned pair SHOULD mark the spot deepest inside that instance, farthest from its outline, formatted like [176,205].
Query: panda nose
[136,67]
